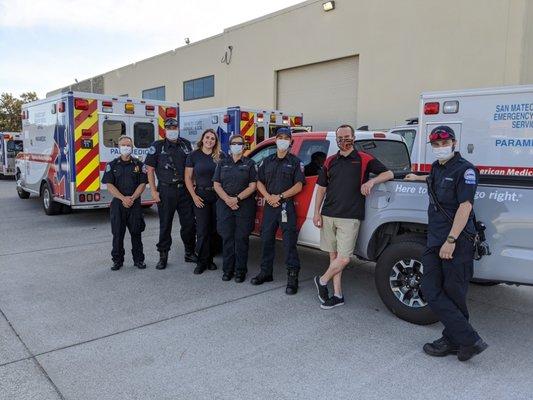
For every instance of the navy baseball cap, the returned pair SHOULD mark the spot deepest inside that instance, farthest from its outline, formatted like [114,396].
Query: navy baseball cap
[441,132]
[284,131]
[171,123]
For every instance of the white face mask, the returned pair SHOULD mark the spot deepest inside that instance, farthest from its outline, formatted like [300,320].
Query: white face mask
[283,144]
[172,134]
[236,148]
[125,150]
[443,153]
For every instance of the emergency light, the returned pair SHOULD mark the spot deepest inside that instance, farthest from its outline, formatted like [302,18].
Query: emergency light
[226,118]
[450,107]
[129,108]
[285,119]
[61,106]
[107,106]
[81,104]
[272,118]
[260,117]
[150,111]
[170,112]
[431,108]
[245,116]
[297,120]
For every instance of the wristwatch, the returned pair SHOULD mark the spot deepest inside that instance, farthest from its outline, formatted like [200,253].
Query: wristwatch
[238,198]
[451,239]
[281,196]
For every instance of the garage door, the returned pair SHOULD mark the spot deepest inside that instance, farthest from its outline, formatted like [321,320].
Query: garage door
[326,92]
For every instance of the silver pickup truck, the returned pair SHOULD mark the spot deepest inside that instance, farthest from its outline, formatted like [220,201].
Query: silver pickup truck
[394,235]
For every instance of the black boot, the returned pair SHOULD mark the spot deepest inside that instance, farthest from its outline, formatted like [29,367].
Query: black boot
[292,282]
[116,266]
[440,348]
[191,257]
[163,259]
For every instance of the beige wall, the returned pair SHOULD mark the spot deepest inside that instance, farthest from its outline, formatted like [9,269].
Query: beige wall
[404,47]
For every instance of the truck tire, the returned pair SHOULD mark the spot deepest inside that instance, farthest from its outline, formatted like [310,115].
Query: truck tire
[49,205]
[397,276]
[21,192]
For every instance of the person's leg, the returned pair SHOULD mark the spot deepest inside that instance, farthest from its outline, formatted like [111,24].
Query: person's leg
[202,216]
[268,238]
[185,208]
[290,240]
[136,226]
[213,235]
[243,228]
[226,228]
[118,229]
[166,209]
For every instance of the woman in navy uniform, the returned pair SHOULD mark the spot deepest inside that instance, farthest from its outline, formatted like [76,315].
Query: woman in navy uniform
[126,179]
[199,169]
[235,183]
[448,259]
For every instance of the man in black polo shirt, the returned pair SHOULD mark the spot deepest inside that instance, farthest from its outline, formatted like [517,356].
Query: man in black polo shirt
[344,183]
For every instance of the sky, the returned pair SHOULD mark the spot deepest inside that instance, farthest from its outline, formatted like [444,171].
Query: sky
[46,44]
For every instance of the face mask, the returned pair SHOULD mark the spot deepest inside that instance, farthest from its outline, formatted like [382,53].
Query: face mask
[125,150]
[172,134]
[283,144]
[443,153]
[345,144]
[236,148]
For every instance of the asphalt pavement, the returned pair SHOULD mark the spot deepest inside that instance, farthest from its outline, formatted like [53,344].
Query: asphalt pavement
[70,328]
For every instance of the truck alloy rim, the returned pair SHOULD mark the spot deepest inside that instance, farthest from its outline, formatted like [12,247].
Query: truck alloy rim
[404,279]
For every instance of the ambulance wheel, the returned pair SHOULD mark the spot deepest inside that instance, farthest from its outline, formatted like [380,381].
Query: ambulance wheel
[49,205]
[398,274]
[21,192]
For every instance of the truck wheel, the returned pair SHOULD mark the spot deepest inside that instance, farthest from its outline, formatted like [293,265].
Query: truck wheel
[398,275]
[49,205]
[21,192]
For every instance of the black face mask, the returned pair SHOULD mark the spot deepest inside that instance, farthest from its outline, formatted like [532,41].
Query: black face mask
[345,144]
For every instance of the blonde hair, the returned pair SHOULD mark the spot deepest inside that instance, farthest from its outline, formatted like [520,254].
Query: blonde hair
[216,149]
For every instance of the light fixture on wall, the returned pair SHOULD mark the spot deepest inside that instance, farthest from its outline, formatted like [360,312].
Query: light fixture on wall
[328,5]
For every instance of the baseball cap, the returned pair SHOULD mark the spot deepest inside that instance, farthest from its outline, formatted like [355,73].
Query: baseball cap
[441,132]
[284,131]
[171,123]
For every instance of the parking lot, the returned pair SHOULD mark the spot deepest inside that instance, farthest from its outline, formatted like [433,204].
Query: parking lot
[72,329]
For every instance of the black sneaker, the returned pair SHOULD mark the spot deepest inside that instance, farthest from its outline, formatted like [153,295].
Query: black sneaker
[199,270]
[140,265]
[212,266]
[116,266]
[227,276]
[322,290]
[191,257]
[333,301]
[440,348]
[261,278]
[467,352]
[240,277]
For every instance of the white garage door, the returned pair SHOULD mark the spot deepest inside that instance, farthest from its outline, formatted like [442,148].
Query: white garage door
[326,92]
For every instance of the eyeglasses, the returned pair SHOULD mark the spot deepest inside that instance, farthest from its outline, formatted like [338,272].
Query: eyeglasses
[440,135]
[237,143]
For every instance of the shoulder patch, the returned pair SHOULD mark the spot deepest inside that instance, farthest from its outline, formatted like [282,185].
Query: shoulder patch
[108,167]
[470,176]
[144,169]
[151,150]
[302,168]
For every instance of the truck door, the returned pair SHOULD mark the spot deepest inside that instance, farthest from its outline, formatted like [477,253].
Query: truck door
[429,157]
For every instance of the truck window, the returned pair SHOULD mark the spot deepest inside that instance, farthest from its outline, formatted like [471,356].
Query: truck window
[113,130]
[409,135]
[313,153]
[259,134]
[393,154]
[263,153]
[143,134]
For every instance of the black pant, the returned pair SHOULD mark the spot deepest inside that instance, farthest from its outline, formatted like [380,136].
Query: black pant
[444,286]
[176,199]
[271,222]
[206,228]
[122,218]
[235,228]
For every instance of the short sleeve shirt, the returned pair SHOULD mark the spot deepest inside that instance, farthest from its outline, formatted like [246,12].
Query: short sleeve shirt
[126,176]
[203,166]
[168,158]
[233,176]
[342,177]
[280,174]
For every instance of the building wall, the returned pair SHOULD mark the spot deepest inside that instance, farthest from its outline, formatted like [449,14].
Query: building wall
[403,48]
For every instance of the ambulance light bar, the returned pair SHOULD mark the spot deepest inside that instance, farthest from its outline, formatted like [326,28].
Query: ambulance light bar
[129,108]
[171,112]
[450,107]
[107,106]
[150,111]
[431,108]
[81,104]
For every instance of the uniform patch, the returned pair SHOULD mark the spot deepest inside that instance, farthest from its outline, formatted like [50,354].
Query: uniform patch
[108,168]
[302,168]
[136,169]
[144,169]
[151,150]
[470,176]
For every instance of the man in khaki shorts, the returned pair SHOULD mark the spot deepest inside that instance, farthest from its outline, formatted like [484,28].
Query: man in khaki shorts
[343,182]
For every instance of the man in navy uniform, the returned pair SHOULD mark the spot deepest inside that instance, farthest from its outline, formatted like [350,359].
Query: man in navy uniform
[448,259]
[166,160]
[280,177]
[125,177]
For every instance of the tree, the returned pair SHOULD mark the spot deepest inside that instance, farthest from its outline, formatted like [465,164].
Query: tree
[11,108]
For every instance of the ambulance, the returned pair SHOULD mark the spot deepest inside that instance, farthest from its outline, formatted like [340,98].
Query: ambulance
[69,138]
[10,146]
[493,128]
[255,125]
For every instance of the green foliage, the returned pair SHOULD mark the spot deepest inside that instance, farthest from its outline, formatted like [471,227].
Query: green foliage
[10,110]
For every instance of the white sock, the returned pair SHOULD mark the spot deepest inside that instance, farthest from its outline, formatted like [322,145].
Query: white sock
[338,296]
[321,282]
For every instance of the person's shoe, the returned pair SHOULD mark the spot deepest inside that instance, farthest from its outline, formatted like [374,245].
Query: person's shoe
[199,270]
[227,276]
[292,283]
[440,348]
[212,266]
[140,265]
[191,257]
[323,294]
[116,266]
[163,259]
[467,352]
[332,302]
[240,277]
[261,278]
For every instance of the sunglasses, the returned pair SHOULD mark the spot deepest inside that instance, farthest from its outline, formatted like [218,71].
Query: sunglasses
[237,143]
[440,135]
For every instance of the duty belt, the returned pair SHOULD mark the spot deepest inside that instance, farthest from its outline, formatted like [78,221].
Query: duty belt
[206,188]
[178,184]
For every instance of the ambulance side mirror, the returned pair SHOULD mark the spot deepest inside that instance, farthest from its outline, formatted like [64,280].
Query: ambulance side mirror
[470,148]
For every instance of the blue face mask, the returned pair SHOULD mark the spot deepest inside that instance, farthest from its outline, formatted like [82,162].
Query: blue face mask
[236,148]
[172,134]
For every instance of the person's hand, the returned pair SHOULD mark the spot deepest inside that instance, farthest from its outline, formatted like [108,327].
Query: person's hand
[126,202]
[155,196]
[235,207]
[231,202]
[367,187]
[317,220]
[446,251]
[198,201]
[273,200]
[411,177]
[130,200]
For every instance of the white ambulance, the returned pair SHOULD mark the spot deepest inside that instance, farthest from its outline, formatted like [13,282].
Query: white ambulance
[68,139]
[493,127]
[10,146]
[255,125]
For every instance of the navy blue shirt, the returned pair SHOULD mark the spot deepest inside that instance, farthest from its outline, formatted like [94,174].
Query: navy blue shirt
[453,182]
[168,159]
[280,174]
[203,166]
[126,176]
[233,176]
